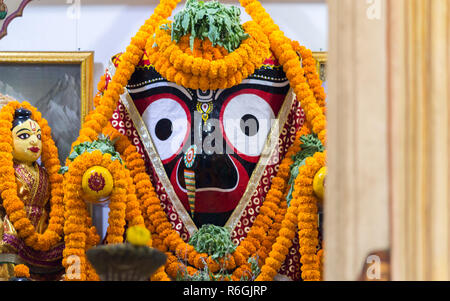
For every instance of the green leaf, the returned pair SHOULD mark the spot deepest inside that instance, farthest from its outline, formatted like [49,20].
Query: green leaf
[219,23]
[103,144]
[63,170]
[213,240]
[185,23]
[73,155]
[310,145]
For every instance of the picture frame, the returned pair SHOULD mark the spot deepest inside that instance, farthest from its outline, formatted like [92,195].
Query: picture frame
[321,63]
[58,84]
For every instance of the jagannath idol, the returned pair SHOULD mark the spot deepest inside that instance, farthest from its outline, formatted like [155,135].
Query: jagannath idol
[210,135]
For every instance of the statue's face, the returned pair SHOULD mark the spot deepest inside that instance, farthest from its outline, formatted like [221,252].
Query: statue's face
[27,144]
[228,127]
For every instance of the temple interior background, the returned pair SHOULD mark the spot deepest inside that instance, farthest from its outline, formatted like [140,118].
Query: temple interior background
[388,116]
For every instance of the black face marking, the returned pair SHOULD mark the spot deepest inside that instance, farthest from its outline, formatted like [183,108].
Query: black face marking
[164,129]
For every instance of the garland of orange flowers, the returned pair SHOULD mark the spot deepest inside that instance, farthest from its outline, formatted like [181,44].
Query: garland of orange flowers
[303,211]
[138,187]
[80,235]
[202,49]
[286,55]
[312,76]
[267,222]
[308,221]
[77,229]
[99,117]
[13,205]
[170,238]
[195,72]
[320,260]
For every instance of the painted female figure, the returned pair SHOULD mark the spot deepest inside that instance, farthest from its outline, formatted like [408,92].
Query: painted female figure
[33,189]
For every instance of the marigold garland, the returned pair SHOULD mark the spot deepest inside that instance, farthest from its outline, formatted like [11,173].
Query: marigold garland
[267,222]
[193,71]
[78,232]
[80,235]
[13,205]
[309,65]
[301,213]
[308,222]
[320,260]
[107,102]
[202,49]
[285,53]
[140,188]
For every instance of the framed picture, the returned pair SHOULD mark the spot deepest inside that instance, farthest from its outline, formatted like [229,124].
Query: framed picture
[321,60]
[58,84]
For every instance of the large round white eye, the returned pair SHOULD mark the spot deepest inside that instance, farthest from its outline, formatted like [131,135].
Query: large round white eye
[168,122]
[246,120]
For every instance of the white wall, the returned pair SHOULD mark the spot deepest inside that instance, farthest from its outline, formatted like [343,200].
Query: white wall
[106,26]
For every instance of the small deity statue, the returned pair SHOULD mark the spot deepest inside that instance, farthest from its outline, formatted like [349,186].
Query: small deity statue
[33,188]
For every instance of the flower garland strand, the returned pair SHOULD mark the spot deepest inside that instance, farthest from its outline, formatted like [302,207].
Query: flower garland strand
[272,209]
[195,72]
[13,205]
[303,211]
[99,117]
[78,229]
[285,53]
[309,65]
[92,126]
[138,187]
[308,221]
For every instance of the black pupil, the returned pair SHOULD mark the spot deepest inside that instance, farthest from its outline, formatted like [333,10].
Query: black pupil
[164,129]
[249,125]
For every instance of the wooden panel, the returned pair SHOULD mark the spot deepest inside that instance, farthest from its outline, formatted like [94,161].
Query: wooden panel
[357,208]
[418,67]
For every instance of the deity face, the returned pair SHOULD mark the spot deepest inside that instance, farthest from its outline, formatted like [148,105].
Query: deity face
[27,144]
[228,127]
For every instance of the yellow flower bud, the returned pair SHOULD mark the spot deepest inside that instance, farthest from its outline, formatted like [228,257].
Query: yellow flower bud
[138,236]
